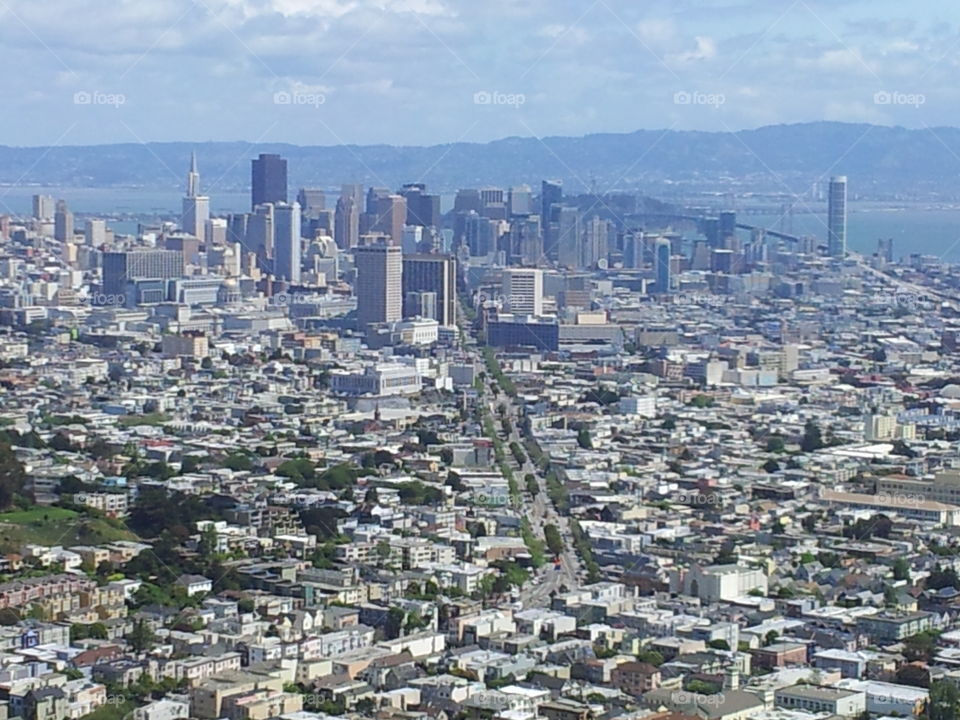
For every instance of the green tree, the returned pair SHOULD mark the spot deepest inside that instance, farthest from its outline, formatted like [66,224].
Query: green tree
[775,444]
[584,439]
[12,476]
[901,569]
[812,437]
[553,538]
[944,701]
[141,637]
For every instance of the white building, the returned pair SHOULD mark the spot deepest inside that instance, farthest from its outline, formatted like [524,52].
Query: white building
[379,380]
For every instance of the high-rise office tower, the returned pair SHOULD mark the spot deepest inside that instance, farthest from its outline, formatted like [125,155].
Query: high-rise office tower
[551,194]
[237,229]
[728,229]
[711,231]
[837,217]
[390,217]
[423,209]
[520,200]
[467,199]
[523,291]
[595,242]
[312,201]
[379,285]
[119,268]
[196,207]
[479,234]
[63,222]
[662,256]
[374,195]
[268,180]
[286,242]
[566,238]
[355,191]
[433,274]
[346,224]
[420,304]
[95,232]
[43,207]
[216,232]
[526,242]
[633,247]
[260,233]
[885,249]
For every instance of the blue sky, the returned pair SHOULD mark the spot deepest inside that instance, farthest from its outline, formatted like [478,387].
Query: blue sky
[433,71]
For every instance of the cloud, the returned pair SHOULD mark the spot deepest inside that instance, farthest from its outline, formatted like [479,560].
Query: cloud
[399,71]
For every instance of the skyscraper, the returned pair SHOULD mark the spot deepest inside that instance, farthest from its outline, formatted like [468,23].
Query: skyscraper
[523,291]
[379,285]
[837,217]
[196,207]
[63,222]
[119,268]
[728,229]
[662,255]
[390,217]
[286,242]
[595,242]
[551,195]
[520,200]
[432,274]
[565,246]
[311,201]
[259,238]
[95,232]
[43,207]
[346,224]
[268,180]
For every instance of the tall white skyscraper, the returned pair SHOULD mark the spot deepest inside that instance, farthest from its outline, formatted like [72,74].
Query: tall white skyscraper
[523,291]
[196,207]
[43,207]
[837,217]
[379,286]
[95,232]
[286,242]
[521,200]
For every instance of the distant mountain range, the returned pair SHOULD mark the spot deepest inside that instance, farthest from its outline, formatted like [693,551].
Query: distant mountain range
[880,161]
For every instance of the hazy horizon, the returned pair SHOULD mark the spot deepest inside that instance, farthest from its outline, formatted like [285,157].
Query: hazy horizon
[422,72]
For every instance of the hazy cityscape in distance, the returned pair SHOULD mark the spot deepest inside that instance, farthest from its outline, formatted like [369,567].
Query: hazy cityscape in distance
[437,360]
